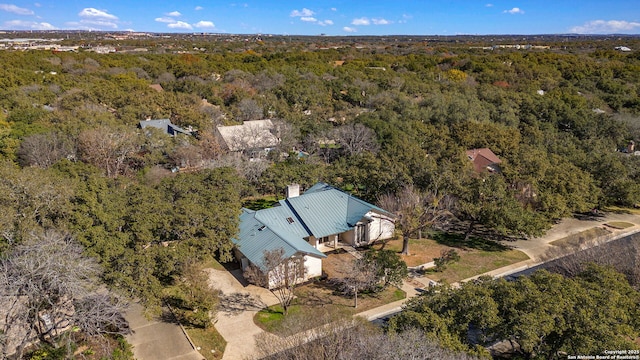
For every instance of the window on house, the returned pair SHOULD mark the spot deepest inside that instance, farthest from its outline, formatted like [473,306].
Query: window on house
[290,220]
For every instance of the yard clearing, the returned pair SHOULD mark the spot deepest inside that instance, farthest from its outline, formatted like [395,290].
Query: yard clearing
[477,255]
[208,341]
[577,239]
[317,303]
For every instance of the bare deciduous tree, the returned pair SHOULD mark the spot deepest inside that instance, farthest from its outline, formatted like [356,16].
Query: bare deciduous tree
[43,150]
[250,170]
[107,149]
[49,287]
[249,109]
[279,274]
[417,210]
[287,135]
[355,138]
[359,276]
[187,155]
[346,340]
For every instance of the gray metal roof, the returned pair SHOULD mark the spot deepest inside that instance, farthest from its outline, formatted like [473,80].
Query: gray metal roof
[164,125]
[327,210]
[255,238]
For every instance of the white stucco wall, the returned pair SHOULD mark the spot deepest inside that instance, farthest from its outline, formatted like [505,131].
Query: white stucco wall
[314,266]
[381,227]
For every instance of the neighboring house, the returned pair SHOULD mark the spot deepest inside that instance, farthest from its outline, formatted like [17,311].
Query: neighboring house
[164,125]
[309,224]
[253,138]
[484,160]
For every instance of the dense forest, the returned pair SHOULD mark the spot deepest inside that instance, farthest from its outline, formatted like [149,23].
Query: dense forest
[369,116]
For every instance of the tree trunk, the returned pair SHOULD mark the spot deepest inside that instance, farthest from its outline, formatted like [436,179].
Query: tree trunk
[355,298]
[405,244]
[469,231]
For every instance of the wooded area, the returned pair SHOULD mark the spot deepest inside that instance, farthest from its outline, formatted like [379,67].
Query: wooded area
[370,116]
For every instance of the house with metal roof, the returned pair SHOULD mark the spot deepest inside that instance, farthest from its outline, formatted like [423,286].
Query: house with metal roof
[308,225]
[164,125]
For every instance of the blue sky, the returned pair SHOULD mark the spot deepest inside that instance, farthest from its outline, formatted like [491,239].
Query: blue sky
[331,17]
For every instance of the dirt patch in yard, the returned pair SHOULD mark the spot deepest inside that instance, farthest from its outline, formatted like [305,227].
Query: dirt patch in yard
[336,263]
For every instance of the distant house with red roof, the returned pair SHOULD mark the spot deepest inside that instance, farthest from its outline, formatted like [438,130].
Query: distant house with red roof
[484,160]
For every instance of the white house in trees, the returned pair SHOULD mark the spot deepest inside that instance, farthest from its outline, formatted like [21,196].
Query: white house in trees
[309,224]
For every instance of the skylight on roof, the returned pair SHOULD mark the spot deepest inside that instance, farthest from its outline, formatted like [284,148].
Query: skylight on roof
[290,220]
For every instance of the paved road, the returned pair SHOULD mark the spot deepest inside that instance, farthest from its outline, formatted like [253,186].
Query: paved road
[156,339]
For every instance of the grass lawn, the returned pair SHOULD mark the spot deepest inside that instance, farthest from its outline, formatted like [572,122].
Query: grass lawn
[477,255]
[619,225]
[212,264]
[477,262]
[210,342]
[623,210]
[259,203]
[577,239]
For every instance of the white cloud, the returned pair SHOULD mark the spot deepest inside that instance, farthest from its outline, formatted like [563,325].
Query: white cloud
[27,25]
[515,10]
[606,27]
[180,25]
[349,29]
[308,19]
[381,21]
[198,8]
[174,14]
[95,13]
[302,13]
[204,24]
[334,9]
[325,22]
[360,21]
[489,5]
[165,20]
[14,9]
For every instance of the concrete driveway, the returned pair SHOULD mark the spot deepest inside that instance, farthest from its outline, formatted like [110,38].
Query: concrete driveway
[159,338]
[235,318]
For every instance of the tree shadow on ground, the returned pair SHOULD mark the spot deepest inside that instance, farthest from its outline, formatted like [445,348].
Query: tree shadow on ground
[317,294]
[167,316]
[236,303]
[594,215]
[456,240]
